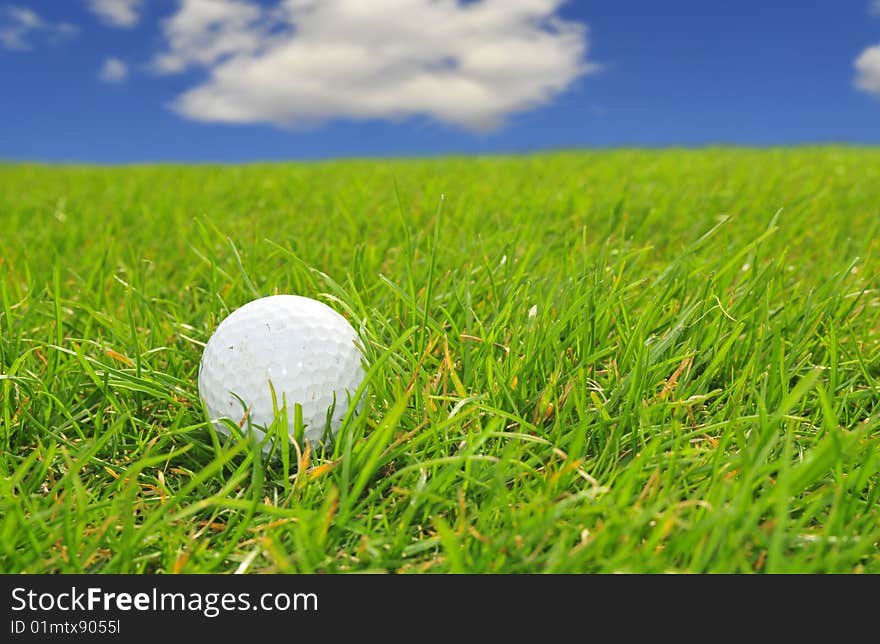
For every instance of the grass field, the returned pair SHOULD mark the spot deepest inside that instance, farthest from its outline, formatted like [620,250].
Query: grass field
[626,361]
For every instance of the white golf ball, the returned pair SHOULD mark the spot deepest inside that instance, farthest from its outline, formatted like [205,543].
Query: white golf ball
[299,347]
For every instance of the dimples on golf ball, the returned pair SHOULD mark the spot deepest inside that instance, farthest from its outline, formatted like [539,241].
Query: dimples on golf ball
[303,347]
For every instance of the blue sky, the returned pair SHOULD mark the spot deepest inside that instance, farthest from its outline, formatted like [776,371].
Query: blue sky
[115,81]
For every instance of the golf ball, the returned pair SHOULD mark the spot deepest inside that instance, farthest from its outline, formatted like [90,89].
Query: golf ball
[301,348]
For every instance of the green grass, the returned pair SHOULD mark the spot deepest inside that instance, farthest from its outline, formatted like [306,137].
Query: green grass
[625,361]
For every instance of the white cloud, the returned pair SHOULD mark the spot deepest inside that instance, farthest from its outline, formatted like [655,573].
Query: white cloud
[874,10]
[117,13]
[204,31]
[19,26]
[113,70]
[868,70]
[302,62]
